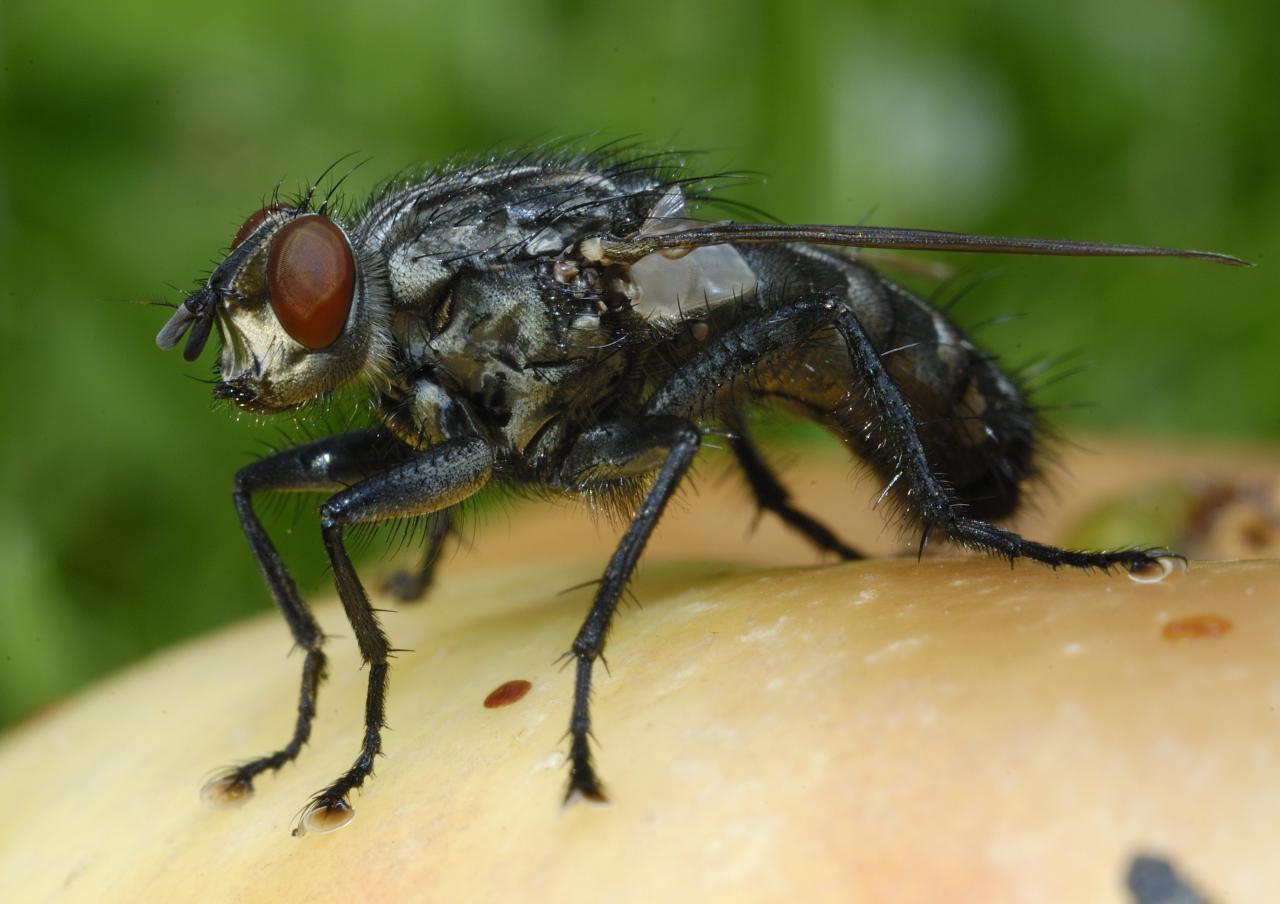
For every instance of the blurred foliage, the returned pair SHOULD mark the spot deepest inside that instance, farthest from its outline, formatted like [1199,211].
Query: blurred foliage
[136,135]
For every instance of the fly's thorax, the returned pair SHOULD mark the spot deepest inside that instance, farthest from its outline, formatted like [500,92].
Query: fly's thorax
[498,343]
[299,311]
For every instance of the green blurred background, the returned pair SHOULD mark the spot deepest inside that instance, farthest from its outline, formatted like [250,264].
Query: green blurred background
[135,137]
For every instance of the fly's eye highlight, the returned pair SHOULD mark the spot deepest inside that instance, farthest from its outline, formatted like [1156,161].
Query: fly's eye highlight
[254,221]
[311,275]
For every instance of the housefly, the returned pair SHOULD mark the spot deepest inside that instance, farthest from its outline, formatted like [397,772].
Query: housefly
[565,322]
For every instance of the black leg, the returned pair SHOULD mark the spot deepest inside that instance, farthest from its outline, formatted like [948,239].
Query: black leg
[324,465]
[740,351]
[431,481]
[410,585]
[772,496]
[617,451]
[934,503]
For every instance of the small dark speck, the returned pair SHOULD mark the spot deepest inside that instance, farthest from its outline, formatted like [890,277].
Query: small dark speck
[506,694]
[1153,881]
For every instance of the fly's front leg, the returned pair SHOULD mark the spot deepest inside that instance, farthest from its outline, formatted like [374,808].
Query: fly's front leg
[428,482]
[772,496]
[324,465]
[409,585]
[615,451]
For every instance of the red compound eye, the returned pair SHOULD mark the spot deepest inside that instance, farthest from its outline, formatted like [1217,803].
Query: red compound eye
[311,276]
[254,221]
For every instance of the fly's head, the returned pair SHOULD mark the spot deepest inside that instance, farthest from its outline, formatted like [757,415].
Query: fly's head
[295,308]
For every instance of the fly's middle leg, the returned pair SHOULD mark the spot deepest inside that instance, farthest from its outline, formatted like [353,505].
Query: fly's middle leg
[618,449]
[409,585]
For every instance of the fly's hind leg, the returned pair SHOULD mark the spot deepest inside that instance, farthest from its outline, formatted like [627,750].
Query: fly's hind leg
[772,496]
[740,351]
[932,501]
[409,585]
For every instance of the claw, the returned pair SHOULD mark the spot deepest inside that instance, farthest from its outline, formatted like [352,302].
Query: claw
[324,815]
[583,784]
[1157,568]
[585,790]
[403,585]
[227,791]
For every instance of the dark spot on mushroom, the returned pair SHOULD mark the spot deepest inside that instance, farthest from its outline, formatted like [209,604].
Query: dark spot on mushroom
[1153,880]
[506,694]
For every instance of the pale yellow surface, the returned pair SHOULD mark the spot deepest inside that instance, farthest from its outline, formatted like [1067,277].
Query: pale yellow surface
[878,731]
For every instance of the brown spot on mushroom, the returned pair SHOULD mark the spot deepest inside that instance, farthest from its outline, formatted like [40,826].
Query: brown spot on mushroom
[506,694]
[1194,627]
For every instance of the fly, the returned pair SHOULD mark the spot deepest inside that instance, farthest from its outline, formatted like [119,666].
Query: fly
[565,322]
